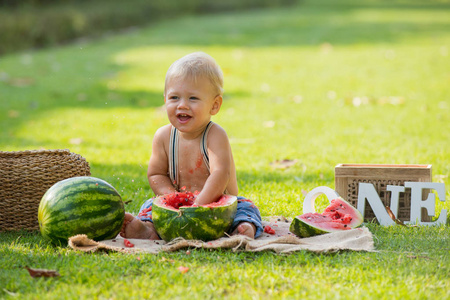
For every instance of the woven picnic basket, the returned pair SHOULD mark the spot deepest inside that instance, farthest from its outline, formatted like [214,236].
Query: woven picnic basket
[25,176]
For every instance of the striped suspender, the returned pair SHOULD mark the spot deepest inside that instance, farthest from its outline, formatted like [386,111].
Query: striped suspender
[203,146]
[204,149]
[173,157]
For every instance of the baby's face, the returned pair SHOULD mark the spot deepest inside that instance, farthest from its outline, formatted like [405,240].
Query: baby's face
[190,103]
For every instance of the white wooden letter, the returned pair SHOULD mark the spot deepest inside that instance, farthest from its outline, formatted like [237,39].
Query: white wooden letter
[308,203]
[367,191]
[395,197]
[429,203]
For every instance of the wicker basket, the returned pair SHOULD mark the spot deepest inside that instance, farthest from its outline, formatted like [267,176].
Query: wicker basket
[25,176]
[348,177]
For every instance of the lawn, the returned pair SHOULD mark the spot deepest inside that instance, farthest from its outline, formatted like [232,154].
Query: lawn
[321,83]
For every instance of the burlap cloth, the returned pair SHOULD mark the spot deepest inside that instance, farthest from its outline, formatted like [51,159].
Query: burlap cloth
[282,241]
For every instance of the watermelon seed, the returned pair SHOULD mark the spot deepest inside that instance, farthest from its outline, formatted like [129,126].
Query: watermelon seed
[345,225]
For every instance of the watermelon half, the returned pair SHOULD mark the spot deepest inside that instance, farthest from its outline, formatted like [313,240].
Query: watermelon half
[339,215]
[80,205]
[174,215]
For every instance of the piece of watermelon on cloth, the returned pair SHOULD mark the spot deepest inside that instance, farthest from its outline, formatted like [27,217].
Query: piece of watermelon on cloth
[339,215]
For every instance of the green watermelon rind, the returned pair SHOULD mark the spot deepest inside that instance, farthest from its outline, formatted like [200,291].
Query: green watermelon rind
[81,205]
[303,229]
[193,223]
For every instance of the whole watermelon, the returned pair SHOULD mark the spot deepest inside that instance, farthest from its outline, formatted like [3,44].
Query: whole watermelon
[80,205]
[339,215]
[174,215]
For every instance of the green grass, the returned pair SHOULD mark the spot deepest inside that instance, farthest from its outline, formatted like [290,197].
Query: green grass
[323,82]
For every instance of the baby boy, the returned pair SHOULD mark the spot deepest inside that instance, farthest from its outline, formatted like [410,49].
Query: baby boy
[192,153]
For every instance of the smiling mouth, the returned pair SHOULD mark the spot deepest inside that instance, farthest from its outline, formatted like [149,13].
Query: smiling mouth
[183,117]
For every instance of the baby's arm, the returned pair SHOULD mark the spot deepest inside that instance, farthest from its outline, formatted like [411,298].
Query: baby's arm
[159,164]
[220,160]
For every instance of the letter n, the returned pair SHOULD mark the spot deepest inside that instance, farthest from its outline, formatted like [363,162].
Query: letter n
[367,191]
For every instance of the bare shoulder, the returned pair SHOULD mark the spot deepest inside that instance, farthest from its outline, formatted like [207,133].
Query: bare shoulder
[217,134]
[158,159]
[218,142]
[162,134]
[163,131]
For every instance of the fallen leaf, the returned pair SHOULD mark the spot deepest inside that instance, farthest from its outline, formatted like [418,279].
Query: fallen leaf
[283,164]
[183,269]
[269,124]
[42,273]
[76,141]
[21,82]
[163,259]
[326,48]
[397,221]
[13,113]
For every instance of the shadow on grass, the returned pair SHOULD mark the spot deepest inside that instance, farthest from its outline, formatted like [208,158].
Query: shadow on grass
[314,23]
[307,24]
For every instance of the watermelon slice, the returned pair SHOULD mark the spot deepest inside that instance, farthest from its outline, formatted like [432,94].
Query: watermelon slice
[174,215]
[339,215]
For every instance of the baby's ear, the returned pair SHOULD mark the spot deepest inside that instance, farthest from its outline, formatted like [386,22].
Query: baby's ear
[216,105]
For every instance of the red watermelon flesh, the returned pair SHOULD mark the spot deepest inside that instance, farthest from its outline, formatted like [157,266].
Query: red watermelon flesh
[341,211]
[333,220]
[339,215]
[186,199]
[177,200]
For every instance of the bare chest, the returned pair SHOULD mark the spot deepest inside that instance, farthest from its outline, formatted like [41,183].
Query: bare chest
[193,171]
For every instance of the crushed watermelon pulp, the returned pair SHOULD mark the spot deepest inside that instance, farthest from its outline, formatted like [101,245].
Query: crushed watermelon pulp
[186,199]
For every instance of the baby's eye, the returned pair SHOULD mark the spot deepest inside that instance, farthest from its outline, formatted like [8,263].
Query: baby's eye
[173,97]
[193,98]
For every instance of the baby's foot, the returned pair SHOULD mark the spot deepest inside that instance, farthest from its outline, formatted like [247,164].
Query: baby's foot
[245,228]
[134,228]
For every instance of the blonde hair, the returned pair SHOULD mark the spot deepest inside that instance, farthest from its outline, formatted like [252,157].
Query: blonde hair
[195,65]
